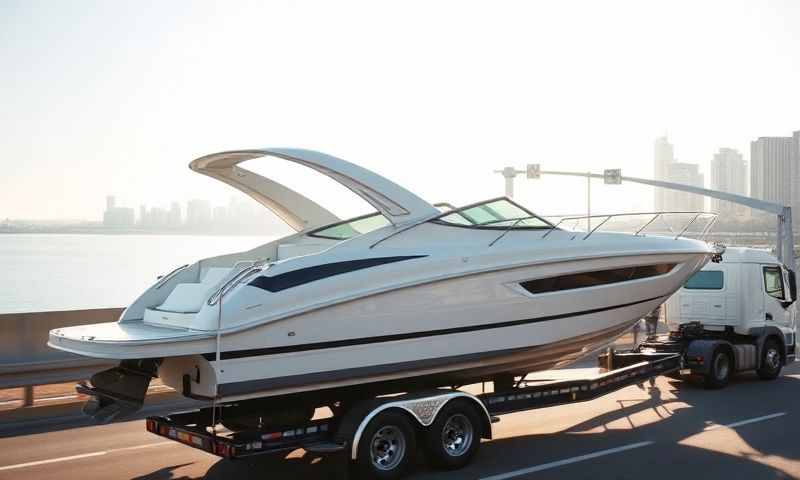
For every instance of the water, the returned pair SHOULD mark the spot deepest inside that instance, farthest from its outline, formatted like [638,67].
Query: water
[43,272]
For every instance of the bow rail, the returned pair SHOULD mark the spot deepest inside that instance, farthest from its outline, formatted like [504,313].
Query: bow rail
[708,217]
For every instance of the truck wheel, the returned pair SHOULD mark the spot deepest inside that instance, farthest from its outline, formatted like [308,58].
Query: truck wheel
[386,447]
[770,361]
[720,370]
[453,439]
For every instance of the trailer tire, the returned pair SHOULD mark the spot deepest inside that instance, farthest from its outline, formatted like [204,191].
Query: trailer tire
[453,439]
[386,448]
[719,372]
[771,364]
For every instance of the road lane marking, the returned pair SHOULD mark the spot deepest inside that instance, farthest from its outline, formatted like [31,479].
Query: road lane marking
[566,461]
[83,455]
[745,422]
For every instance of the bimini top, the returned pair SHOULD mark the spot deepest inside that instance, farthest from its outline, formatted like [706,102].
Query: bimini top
[396,203]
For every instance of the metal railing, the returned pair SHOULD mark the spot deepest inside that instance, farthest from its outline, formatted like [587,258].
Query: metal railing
[166,278]
[245,273]
[27,361]
[712,217]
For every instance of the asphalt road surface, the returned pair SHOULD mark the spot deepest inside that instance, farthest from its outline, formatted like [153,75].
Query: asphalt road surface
[675,430]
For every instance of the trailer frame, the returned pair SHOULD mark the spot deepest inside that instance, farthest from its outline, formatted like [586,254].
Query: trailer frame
[337,433]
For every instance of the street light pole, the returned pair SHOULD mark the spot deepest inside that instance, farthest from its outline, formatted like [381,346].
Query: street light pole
[588,201]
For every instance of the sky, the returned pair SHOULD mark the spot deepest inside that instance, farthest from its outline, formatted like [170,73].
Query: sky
[115,97]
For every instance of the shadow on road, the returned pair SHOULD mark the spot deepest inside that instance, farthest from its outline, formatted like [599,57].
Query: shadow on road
[166,473]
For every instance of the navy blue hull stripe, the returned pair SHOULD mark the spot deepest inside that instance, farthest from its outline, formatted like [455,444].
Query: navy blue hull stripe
[318,272]
[257,352]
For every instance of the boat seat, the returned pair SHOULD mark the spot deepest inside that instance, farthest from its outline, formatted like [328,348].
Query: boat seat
[214,275]
[189,297]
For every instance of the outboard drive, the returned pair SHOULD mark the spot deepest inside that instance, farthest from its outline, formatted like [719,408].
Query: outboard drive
[118,391]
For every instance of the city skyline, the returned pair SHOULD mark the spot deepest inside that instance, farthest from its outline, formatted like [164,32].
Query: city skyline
[728,171]
[195,214]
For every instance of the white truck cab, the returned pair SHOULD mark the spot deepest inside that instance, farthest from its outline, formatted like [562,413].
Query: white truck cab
[738,313]
[748,291]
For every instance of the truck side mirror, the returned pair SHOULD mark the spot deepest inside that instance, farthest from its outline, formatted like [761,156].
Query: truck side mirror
[793,285]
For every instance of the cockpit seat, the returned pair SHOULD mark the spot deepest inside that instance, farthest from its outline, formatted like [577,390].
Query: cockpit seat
[189,297]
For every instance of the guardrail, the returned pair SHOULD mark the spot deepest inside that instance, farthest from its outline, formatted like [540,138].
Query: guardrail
[27,361]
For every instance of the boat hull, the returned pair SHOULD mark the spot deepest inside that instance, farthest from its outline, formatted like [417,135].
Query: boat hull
[450,332]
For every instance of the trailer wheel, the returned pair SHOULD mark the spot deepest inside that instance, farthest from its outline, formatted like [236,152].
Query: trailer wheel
[386,448]
[720,370]
[453,439]
[771,361]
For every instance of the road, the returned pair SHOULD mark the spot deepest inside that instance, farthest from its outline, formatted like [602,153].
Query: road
[675,430]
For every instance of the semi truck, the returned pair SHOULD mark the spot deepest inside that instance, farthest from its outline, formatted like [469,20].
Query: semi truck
[734,315]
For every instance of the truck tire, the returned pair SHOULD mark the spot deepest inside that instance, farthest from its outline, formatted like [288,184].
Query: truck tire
[771,364]
[453,438]
[386,447]
[719,373]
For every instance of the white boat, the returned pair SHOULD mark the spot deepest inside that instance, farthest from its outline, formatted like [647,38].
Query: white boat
[408,296]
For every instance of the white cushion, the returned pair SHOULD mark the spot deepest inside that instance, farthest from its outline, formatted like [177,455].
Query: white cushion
[214,275]
[187,297]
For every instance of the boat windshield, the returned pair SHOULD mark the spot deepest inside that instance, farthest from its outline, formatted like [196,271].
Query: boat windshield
[500,213]
[352,227]
[360,225]
[495,213]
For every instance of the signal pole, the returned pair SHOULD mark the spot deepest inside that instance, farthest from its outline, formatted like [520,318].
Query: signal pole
[509,173]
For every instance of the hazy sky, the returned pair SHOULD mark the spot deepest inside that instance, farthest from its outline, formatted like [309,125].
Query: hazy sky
[114,97]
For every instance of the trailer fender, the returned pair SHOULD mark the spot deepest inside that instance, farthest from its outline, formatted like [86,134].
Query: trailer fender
[423,409]
[699,352]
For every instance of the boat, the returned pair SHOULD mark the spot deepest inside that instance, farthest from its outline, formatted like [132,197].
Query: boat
[410,296]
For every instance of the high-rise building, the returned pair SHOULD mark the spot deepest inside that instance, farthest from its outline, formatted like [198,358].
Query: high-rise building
[668,169]
[198,213]
[175,218]
[220,215]
[775,170]
[117,217]
[771,169]
[664,156]
[677,201]
[728,174]
[796,176]
[143,215]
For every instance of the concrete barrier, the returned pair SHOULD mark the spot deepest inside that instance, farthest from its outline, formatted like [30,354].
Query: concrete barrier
[25,358]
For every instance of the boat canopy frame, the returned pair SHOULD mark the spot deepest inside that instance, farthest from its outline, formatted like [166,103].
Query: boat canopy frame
[394,202]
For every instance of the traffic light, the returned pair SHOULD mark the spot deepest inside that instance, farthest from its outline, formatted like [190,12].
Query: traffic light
[612,176]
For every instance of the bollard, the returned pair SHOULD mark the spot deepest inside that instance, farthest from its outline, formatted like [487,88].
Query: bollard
[27,399]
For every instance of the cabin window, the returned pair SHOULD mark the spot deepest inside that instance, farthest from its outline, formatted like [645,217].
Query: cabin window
[595,278]
[500,213]
[705,280]
[773,282]
[351,228]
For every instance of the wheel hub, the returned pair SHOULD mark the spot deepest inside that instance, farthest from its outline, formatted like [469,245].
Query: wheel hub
[387,448]
[457,435]
[773,358]
[721,366]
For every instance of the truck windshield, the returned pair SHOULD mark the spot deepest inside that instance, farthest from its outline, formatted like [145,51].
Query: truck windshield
[705,280]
